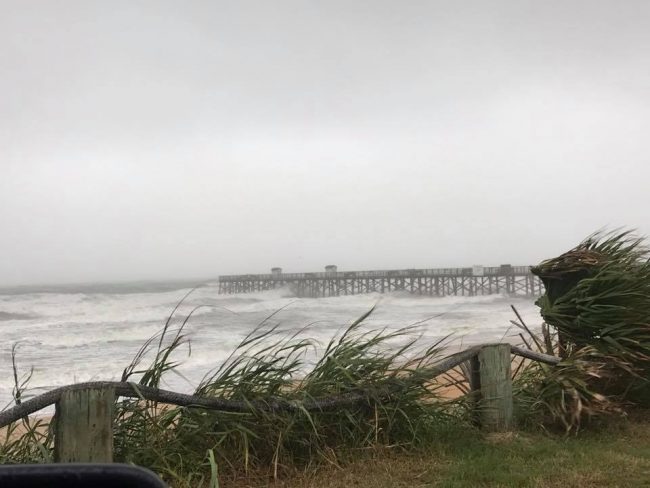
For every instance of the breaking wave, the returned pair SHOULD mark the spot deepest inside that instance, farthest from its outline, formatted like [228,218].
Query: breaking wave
[91,333]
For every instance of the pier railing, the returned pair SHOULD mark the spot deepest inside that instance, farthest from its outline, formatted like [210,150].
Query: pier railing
[84,412]
[394,273]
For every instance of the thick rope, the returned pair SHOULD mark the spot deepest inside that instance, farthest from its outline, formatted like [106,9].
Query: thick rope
[535,356]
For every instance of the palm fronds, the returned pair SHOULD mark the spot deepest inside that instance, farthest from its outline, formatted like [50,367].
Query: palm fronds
[597,313]
[598,294]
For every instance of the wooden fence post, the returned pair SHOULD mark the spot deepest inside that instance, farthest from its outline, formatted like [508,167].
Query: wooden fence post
[475,388]
[84,426]
[495,406]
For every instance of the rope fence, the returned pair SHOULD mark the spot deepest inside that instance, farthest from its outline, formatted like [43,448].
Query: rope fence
[84,410]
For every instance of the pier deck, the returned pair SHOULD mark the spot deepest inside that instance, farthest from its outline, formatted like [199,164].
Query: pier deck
[511,280]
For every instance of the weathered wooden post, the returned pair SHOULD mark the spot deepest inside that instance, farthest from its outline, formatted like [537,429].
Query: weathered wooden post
[84,426]
[475,387]
[494,377]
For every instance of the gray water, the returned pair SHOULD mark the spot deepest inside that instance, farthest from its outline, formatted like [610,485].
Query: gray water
[91,332]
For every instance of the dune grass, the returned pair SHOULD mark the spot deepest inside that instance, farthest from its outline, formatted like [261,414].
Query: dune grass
[187,446]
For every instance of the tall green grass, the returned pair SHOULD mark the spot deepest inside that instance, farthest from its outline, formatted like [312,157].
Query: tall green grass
[185,445]
[30,440]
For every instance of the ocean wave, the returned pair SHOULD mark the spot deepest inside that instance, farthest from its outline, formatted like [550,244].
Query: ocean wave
[75,336]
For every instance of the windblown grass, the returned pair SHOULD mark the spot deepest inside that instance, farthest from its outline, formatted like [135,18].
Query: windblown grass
[186,445]
[30,440]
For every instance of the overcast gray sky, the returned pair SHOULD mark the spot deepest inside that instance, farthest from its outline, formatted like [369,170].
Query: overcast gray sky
[157,139]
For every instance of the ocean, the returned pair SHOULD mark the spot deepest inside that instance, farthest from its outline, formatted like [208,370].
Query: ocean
[74,333]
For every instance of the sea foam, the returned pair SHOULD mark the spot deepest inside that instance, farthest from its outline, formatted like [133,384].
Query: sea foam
[80,335]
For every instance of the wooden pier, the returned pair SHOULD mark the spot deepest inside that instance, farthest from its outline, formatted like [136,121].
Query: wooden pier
[477,280]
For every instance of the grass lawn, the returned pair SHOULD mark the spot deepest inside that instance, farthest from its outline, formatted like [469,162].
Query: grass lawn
[615,456]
